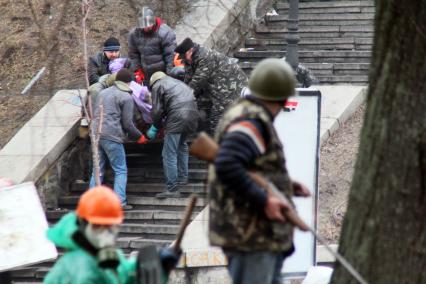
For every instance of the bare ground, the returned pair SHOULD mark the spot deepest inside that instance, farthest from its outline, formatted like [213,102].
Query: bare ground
[337,161]
[48,33]
[15,111]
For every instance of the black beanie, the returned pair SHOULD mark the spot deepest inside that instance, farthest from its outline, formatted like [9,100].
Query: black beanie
[184,46]
[124,75]
[112,44]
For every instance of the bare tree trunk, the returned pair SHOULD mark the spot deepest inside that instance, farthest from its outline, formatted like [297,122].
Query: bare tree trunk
[88,112]
[384,232]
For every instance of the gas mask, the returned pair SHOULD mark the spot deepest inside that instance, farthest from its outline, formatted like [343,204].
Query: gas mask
[101,236]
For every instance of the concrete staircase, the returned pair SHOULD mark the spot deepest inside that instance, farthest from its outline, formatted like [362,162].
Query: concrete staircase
[335,40]
[152,221]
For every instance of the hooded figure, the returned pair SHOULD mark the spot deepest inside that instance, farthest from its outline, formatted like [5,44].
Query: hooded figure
[151,46]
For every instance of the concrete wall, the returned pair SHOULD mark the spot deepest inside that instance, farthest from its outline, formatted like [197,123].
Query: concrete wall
[39,143]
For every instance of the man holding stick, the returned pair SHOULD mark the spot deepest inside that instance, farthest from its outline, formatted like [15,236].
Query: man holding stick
[245,219]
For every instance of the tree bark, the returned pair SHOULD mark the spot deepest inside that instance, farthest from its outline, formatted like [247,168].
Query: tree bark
[384,232]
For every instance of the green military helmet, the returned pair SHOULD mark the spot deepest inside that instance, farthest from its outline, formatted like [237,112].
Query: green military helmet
[156,76]
[272,80]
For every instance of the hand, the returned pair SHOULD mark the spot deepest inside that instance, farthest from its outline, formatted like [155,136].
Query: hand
[139,76]
[152,132]
[169,258]
[274,209]
[300,189]
[142,140]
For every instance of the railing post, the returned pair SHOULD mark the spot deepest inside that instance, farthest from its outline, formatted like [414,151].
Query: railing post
[292,36]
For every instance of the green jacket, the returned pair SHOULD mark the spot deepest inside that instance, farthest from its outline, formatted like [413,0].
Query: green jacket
[77,266]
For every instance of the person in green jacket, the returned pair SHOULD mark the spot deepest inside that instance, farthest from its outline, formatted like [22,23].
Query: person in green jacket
[89,237]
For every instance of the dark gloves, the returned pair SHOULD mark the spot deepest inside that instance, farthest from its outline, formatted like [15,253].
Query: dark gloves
[169,258]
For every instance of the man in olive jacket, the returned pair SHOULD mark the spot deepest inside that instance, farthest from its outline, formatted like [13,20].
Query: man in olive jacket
[174,106]
[246,221]
[151,45]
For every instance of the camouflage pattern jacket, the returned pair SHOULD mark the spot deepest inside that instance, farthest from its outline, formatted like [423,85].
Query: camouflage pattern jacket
[233,223]
[217,75]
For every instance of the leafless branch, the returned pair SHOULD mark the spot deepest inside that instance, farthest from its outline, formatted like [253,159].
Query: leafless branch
[94,136]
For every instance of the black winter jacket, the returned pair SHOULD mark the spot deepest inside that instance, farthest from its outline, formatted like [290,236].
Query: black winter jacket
[98,66]
[152,51]
[174,101]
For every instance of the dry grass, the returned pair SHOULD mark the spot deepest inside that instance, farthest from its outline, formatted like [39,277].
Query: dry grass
[37,33]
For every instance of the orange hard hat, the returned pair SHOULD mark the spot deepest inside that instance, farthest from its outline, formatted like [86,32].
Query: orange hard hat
[101,206]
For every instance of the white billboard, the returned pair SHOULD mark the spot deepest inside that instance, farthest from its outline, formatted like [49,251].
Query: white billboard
[23,228]
[299,131]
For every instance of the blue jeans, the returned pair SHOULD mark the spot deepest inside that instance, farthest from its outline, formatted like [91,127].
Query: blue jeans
[116,156]
[261,267]
[175,159]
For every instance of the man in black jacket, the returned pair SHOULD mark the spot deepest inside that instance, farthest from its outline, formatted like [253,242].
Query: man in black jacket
[174,106]
[151,45]
[98,64]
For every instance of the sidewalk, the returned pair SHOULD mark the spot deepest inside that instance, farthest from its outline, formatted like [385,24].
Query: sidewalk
[338,104]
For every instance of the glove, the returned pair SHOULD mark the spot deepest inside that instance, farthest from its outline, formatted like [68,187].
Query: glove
[139,76]
[142,140]
[169,259]
[152,132]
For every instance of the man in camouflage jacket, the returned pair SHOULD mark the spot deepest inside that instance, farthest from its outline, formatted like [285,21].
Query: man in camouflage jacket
[244,220]
[213,76]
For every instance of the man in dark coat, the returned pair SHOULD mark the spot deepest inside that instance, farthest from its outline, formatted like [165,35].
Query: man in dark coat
[151,46]
[174,106]
[98,64]
[213,75]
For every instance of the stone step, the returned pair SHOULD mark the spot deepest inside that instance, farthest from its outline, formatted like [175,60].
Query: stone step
[322,17]
[154,157]
[131,243]
[145,189]
[317,30]
[31,274]
[310,56]
[138,175]
[352,79]
[283,10]
[165,204]
[133,216]
[150,231]
[311,44]
[137,162]
[282,23]
[328,4]
[140,203]
[141,243]
[263,32]
[326,68]
[325,17]
[151,146]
